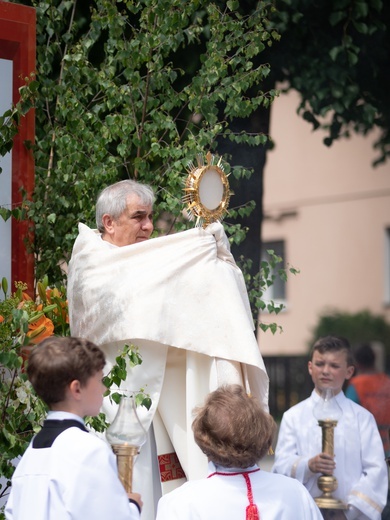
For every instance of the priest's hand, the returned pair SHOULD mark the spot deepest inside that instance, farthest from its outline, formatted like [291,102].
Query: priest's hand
[322,463]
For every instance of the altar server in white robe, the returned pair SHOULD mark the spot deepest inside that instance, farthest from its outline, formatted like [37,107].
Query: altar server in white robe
[182,300]
[66,472]
[359,463]
[234,432]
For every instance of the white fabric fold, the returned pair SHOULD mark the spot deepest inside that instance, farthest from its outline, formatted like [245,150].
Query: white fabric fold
[182,300]
[181,290]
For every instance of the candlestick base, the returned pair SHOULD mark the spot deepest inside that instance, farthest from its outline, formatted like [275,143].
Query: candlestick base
[328,484]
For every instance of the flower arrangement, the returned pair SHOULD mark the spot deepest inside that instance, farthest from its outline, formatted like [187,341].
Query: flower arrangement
[24,322]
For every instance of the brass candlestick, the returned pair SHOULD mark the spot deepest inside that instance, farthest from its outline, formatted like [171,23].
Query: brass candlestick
[328,483]
[327,411]
[125,455]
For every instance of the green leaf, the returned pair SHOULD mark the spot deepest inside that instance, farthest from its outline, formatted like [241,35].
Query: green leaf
[146,402]
[352,58]
[116,397]
[361,27]
[233,5]
[336,17]
[4,285]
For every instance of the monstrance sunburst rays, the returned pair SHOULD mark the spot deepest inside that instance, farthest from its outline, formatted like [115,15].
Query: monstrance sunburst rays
[206,190]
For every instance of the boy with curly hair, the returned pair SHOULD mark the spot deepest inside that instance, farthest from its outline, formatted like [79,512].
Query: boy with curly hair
[234,432]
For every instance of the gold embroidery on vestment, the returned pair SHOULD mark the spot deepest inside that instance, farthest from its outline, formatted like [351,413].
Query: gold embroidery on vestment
[294,468]
[367,499]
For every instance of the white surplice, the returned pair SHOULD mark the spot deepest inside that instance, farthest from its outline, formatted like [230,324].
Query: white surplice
[75,479]
[361,470]
[225,497]
[182,300]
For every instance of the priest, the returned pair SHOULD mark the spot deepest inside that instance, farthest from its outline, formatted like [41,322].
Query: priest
[181,299]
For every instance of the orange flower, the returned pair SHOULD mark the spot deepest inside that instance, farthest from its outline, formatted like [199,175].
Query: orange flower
[54,293]
[1,318]
[64,311]
[40,329]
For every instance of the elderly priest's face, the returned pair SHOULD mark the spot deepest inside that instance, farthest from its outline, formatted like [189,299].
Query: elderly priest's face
[133,226]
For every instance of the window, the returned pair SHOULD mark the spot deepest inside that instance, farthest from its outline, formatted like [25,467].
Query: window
[277,291]
[5,176]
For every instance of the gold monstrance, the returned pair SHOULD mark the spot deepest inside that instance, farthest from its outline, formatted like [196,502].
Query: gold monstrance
[206,190]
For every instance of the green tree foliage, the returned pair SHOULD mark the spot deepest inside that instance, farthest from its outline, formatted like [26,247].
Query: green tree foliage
[336,55]
[257,285]
[136,89]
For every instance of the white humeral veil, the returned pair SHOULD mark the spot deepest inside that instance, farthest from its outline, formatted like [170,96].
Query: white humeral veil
[182,300]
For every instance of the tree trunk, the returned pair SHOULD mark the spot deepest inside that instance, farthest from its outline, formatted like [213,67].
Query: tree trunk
[245,190]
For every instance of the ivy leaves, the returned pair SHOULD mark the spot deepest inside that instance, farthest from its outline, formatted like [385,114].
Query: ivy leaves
[127,359]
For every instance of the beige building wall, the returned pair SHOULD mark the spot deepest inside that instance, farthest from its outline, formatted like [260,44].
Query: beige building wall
[332,209]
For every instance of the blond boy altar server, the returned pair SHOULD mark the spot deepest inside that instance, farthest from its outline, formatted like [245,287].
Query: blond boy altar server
[182,300]
[359,462]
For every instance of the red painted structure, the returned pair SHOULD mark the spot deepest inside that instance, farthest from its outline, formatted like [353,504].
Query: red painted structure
[18,43]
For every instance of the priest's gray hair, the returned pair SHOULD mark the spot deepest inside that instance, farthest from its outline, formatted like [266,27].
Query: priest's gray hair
[113,199]
[232,428]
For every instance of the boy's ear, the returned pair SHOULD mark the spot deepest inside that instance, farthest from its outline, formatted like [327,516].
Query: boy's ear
[75,389]
[309,366]
[350,372]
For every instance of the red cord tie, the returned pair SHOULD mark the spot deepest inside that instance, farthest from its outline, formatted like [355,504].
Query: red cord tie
[252,512]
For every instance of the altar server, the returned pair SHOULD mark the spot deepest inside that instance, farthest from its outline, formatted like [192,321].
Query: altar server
[359,463]
[234,432]
[67,473]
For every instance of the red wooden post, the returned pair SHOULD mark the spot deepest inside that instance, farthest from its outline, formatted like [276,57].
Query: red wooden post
[18,43]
